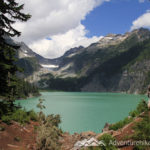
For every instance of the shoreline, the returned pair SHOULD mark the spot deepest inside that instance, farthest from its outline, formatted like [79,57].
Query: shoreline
[94,92]
[30,96]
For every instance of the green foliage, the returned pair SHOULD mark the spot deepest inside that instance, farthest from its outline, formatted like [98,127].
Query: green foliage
[6,119]
[67,84]
[40,104]
[8,72]
[25,89]
[48,138]
[63,84]
[119,61]
[33,115]
[120,124]
[145,53]
[12,87]
[142,107]
[19,115]
[11,11]
[4,108]
[48,132]
[108,140]
[142,132]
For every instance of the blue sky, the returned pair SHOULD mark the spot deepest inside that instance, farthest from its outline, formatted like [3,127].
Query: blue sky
[115,16]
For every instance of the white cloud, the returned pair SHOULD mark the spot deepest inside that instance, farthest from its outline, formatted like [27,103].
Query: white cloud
[141,1]
[142,21]
[59,19]
[62,42]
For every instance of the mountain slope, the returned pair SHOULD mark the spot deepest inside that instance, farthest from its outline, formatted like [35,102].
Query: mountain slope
[24,51]
[87,59]
[117,63]
[126,72]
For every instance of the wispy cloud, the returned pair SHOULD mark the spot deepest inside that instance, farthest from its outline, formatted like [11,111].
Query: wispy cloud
[141,1]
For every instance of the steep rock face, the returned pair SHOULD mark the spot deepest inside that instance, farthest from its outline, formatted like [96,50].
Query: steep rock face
[26,59]
[128,81]
[134,80]
[128,72]
[29,65]
[24,51]
[35,65]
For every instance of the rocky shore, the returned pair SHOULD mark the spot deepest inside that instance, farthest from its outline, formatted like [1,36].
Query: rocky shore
[69,141]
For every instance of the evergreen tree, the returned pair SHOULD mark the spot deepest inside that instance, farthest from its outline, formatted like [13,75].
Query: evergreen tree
[10,12]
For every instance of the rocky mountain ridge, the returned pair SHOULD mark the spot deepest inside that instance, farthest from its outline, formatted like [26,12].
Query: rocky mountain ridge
[116,63]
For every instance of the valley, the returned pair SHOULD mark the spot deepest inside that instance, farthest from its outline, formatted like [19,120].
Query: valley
[117,63]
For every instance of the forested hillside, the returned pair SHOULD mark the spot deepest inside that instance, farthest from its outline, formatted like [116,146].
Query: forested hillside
[117,65]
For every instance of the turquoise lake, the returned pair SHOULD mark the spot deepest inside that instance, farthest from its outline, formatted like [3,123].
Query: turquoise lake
[81,111]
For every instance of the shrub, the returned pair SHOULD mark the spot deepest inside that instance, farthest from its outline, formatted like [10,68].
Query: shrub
[142,132]
[21,116]
[107,139]
[49,133]
[142,107]
[7,119]
[54,120]
[133,113]
[5,108]
[33,115]
[120,124]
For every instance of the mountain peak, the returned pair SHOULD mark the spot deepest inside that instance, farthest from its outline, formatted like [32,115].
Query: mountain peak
[72,50]
[141,30]
[141,33]
[111,39]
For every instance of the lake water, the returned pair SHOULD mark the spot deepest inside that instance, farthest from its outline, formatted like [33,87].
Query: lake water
[85,111]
